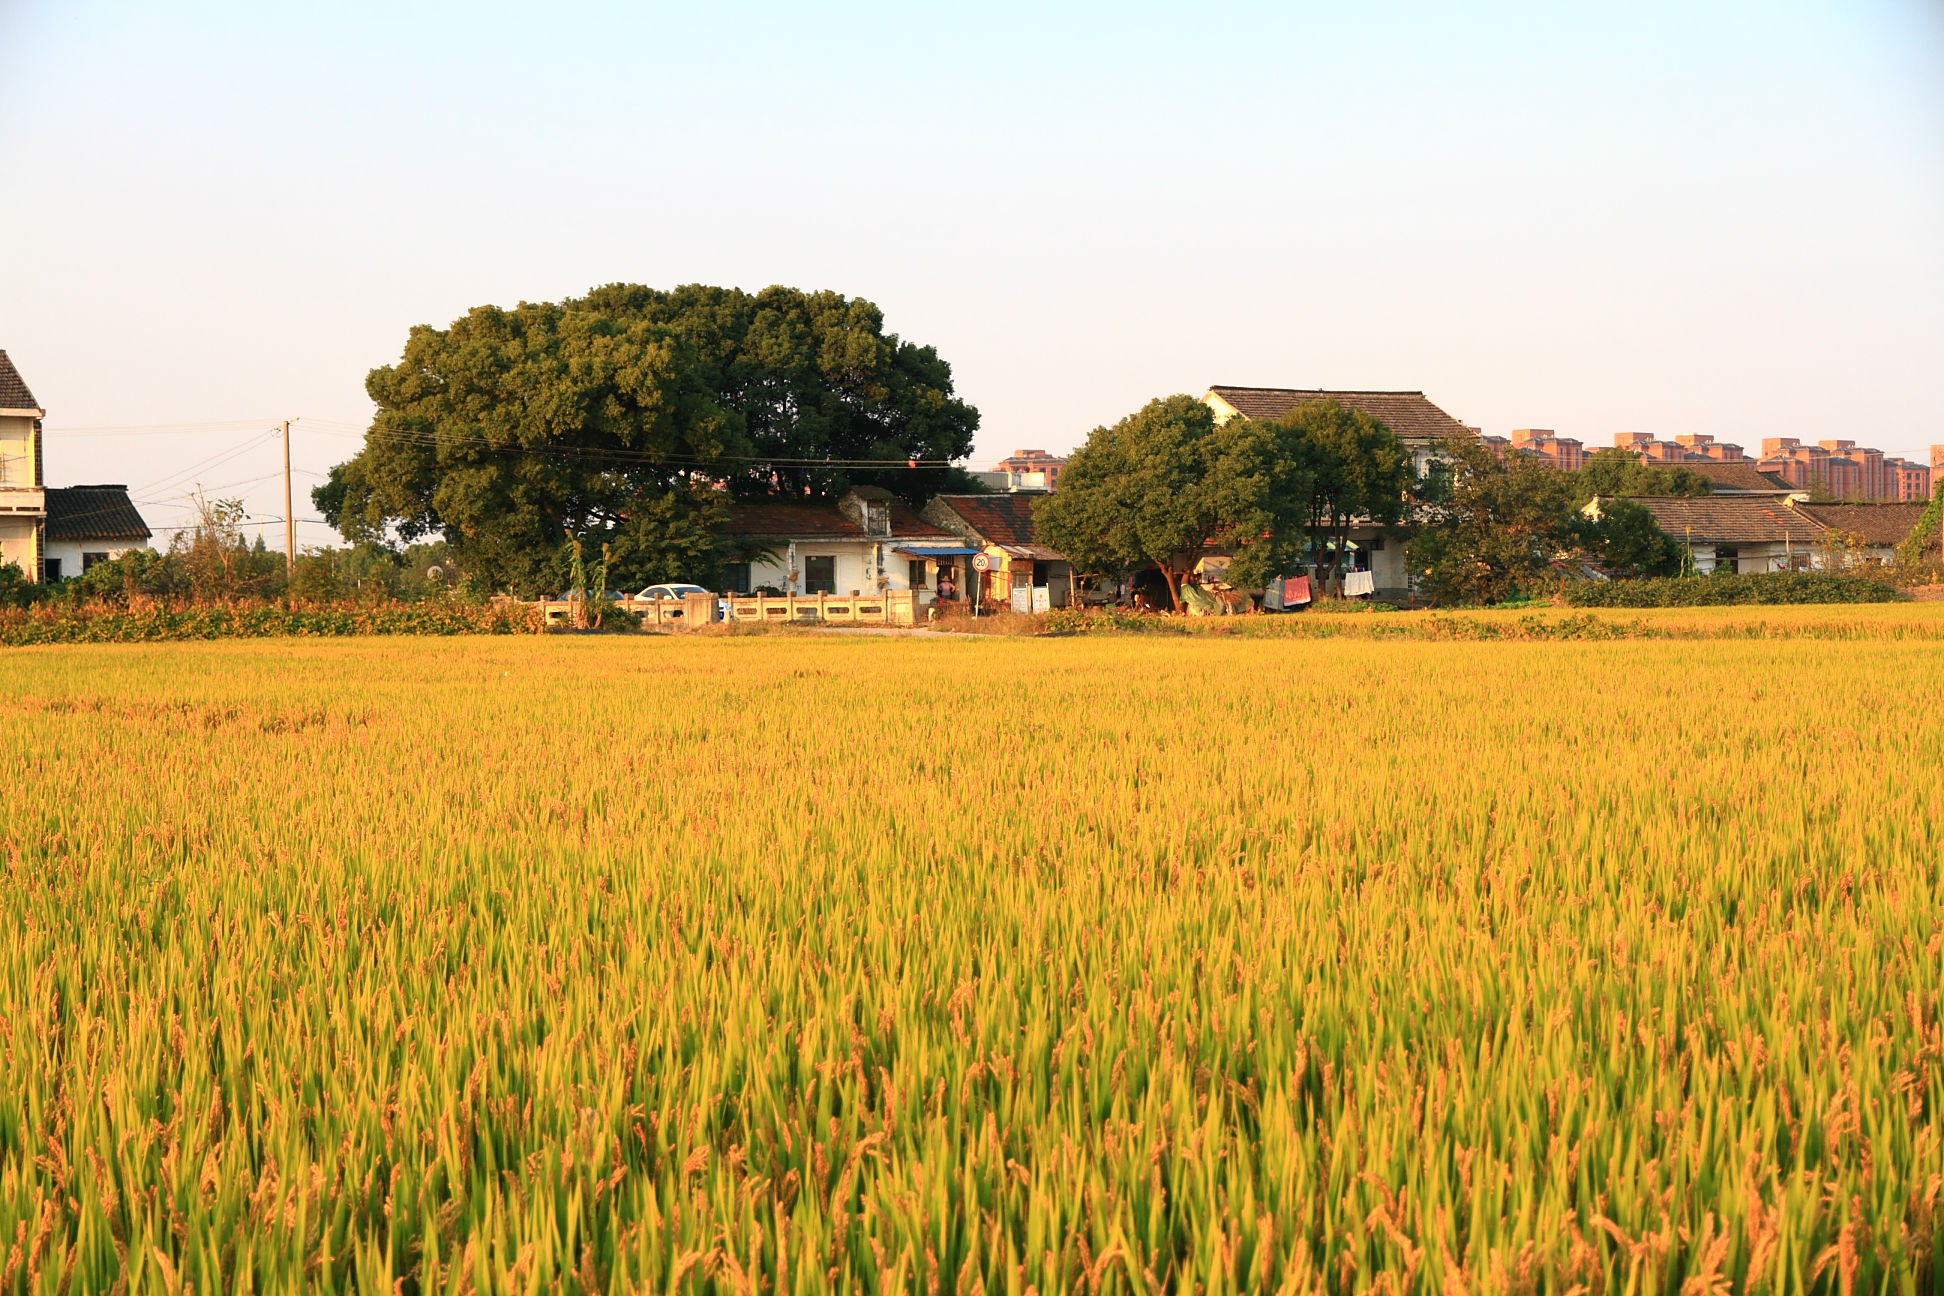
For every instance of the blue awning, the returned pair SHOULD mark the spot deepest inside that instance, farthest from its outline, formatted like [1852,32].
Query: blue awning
[936,551]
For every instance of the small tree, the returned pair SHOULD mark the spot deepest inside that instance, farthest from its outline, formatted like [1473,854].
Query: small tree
[1923,548]
[1161,486]
[1346,467]
[1491,528]
[216,561]
[1626,541]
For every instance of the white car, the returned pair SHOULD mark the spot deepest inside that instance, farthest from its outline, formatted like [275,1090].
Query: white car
[672,590]
[678,590]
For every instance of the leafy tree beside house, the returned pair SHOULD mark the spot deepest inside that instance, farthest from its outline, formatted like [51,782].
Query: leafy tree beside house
[1614,471]
[1489,529]
[1346,468]
[1165,483]
[1626,541]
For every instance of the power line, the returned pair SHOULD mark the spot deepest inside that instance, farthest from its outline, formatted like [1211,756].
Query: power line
[221,457]
[155,429]
[623,454]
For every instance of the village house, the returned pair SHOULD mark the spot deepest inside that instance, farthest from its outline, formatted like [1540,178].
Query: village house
[1375,559]
[23,498]
[867,542]
[1022,574]
[87,525]
[1769,533]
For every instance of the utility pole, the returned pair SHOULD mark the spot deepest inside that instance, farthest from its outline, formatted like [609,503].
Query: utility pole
[290,520]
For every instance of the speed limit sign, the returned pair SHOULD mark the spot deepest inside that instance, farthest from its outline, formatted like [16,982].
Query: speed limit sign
[982,562]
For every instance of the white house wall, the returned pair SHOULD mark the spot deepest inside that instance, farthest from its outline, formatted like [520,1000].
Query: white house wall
[856,566]
[17,545]
[69,552]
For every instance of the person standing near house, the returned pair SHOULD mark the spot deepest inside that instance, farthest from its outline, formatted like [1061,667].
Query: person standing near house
[947,587]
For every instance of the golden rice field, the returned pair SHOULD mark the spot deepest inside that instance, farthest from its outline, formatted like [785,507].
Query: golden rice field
[969,965]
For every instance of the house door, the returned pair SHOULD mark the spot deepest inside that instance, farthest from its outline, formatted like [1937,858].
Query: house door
[820,574]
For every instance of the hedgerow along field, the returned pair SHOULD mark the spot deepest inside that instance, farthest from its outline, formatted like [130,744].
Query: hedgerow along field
[794,963]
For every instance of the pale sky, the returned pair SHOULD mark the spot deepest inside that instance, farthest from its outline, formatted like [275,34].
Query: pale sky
[1686,217]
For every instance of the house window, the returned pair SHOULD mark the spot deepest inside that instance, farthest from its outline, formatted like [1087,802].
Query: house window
[820,575]
[90,559]
[917,579]
[50,569]
[737,574]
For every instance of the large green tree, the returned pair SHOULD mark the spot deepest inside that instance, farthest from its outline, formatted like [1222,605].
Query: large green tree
[630,417]
[1163,485]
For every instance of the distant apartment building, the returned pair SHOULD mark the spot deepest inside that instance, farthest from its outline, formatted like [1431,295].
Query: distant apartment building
[1846,470]
[1689,447]
[1564,453]
[1030,470]
[1843,468]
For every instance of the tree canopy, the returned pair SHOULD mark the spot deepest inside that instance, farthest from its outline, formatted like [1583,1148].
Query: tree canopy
[821,390]
[1614,471]
[630,417]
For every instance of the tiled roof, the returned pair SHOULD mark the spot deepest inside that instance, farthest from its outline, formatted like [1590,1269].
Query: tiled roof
[1732,476]
[1875,524]
[1730,519]
[906,525]
[93,513]
[819,521]
[1408,414]
[789,520]
[995,519]
[13,388]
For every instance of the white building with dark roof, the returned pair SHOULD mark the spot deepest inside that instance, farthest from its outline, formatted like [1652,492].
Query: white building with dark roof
[88,525]
[53,534]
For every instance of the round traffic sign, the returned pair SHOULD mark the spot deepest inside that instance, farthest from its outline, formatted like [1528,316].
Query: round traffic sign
[981,562]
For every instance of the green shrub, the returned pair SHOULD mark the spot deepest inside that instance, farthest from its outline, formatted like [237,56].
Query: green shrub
[1107,620]
[102,622]
[1725,589]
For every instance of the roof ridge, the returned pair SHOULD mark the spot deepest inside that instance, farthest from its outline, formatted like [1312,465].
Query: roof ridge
[1320,391]
[13,388]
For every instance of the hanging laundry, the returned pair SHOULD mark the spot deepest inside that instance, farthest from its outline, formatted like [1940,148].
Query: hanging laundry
[1359,582]
[1295,590]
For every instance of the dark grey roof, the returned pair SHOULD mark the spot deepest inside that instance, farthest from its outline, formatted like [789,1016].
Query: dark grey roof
[93,513]
[1880,522]
[1730,519]
[1406,413]
[1732,477]
[13,388]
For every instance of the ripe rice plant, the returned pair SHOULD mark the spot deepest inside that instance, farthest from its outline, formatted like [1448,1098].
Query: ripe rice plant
[789,964]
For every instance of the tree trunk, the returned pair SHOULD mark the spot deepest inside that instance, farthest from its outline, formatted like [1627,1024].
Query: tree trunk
[1174,585]
[1342,547]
